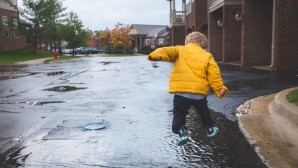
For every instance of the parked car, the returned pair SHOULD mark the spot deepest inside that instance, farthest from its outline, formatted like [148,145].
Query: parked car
[80,50]
[67,51]
[91,50]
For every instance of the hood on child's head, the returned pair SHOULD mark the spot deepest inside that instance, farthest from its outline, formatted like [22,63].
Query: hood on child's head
[197,38]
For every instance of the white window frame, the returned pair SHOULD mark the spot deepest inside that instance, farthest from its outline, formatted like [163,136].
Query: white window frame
[16,34]
[5,33]
[5,20]
[160,41]
[188,2]
[147,42]
[15,22]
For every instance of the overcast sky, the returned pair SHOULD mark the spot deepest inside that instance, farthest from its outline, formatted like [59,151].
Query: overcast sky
[102,14]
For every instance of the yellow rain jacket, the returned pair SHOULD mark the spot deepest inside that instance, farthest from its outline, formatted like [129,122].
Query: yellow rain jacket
[194,69]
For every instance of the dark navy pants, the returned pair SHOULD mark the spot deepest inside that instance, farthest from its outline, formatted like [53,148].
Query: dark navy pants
[180,111]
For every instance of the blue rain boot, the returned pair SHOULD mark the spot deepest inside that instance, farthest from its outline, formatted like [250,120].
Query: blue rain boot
[183,136]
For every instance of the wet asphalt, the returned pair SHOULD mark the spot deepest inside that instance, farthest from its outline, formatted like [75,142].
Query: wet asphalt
[44,110]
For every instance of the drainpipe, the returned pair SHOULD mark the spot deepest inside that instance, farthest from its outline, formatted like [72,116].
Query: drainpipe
[209,23]
[273,34]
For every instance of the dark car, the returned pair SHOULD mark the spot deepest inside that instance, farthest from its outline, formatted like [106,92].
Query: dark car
[91,50]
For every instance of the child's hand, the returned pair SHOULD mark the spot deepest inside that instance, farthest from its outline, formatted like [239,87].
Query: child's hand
[154,59]
[222,92]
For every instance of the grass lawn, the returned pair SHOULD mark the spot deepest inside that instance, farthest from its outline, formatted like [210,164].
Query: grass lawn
[23,55]
[293,96]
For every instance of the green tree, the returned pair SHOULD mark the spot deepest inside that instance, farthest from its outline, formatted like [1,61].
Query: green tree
[33,12]
[55,17]
[73,32]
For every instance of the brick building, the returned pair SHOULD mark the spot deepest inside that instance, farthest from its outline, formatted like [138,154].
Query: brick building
[148,35]
[244,32]
[10,37]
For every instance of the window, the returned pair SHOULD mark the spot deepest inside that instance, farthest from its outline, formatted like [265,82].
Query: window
[5,26]
[5,33]
[160,41]
[147,42]
[188,6]
[4,20]
[15,34]
[15,23]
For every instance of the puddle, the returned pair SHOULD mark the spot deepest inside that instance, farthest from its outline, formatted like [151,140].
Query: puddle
[55,73]
[107,62]
[36,103]
[247,84]
[64,88]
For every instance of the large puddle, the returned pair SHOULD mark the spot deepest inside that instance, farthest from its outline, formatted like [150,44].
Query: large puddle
[64,88]
[41,127]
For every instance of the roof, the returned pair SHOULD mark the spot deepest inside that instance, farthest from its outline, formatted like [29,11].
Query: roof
[140,29]
[157,31]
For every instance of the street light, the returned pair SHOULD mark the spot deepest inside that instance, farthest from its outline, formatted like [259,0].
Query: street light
[220,23]
[238,17]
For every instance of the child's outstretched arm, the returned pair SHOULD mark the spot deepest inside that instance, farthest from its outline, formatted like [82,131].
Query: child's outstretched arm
[169,54]
[215,79]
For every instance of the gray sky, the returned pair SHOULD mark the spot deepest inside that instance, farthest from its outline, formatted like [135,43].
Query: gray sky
[101,14]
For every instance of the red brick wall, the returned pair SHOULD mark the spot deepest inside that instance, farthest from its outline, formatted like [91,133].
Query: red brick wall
[201,13]
[10,43]
[256,35]
[177,35]
[286,41]
[231,34]
[216,34]
[198,16]
[191,19]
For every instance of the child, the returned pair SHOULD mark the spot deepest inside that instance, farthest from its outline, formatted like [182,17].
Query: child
[193,72]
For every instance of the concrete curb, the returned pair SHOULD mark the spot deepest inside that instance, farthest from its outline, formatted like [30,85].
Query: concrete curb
[270,124]
[282,107]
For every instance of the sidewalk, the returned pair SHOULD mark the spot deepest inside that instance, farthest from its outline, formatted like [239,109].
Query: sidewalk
[270,124]
[35,61]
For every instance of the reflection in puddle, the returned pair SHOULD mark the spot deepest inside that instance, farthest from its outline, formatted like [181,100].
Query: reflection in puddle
[154,65]
[32,103]
[55,73]
[64,88]
[36,103]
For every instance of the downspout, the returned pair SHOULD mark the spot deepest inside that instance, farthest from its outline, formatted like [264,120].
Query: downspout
[208,23]
[273,34]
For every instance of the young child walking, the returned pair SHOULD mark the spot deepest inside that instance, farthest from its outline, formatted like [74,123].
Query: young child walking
[193,72]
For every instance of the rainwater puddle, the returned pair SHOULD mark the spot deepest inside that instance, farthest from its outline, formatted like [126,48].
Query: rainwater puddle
[246,84]
[36,103]
[107,62]
[77,129]
[55,73]
[64,88]
[32,103]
